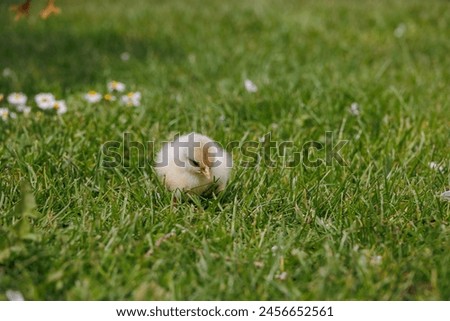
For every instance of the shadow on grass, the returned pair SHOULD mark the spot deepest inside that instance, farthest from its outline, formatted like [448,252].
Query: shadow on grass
[54,56]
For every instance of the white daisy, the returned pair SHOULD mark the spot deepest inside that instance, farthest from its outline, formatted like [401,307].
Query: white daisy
[17,99]
[131,99]
[250,86]
[23,109]
[60,107]
[446,195]
[354,109]
[7,72]
[44,100]
[400,30]
[4,114]
[436,166]
[93,97]
[125,56]
[14,295]
[116,86]
[109,97]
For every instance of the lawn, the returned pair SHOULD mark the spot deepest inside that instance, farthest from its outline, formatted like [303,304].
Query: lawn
[372,227]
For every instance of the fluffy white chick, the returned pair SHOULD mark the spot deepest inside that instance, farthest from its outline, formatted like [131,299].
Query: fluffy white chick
[195,164]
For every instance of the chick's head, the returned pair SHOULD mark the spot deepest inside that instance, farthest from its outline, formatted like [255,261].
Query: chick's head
[197,155]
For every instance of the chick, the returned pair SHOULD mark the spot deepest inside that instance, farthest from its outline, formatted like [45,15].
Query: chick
[195,164]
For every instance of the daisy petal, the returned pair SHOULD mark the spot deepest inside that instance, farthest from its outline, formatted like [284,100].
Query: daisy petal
[93,97]
[131,99]
[17,98]
[14,295]
[250,86]
[116,86]
[446,196]
[44,100]
[4,114]
[60,107]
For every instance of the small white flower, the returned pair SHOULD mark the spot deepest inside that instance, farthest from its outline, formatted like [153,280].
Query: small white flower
[131,99]
[400,30]
[60,107]
[354,109]
[7,72]
[109,97]
[125,100]
[274,248]
[44,100]
[116,86]
[4,114]
[433,165]
[282,276]
[14,295]
[23,109]
[125,56]
[17,99]
[250,86]
[136,95]
[12,115]
[436,166]
[446,195]
[93,97]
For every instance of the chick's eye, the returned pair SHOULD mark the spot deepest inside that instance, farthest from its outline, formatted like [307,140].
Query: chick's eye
[194,163]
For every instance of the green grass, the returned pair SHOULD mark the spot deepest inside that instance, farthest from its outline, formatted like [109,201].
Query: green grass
[372,230]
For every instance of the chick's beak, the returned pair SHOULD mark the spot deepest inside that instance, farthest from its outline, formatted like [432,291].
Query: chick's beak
[206,171]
